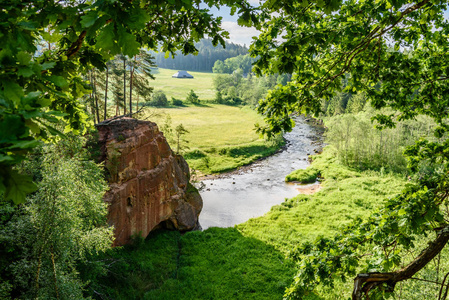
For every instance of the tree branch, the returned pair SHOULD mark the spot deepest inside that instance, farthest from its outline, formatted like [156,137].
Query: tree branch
[365,282]
[76,46]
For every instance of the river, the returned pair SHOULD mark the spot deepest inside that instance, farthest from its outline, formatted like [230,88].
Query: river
[234,198]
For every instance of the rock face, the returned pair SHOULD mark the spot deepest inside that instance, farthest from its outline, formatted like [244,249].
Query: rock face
[149,183]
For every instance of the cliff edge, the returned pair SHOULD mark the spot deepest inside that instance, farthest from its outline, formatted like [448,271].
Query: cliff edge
[149,183]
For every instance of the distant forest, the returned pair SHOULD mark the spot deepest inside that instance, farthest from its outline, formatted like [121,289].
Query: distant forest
[204,61]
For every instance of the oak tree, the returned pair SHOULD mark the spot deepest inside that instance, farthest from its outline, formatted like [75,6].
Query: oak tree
[395,52]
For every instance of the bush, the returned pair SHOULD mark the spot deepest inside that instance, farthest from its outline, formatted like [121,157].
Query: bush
[308,175]
[194,154]
[159,99]
[192,98]
[176,102]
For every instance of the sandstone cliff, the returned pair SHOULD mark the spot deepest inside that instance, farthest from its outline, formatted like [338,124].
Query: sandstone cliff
[149,184]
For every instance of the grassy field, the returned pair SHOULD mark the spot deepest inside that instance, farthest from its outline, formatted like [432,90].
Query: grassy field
[220,138]
[201,84]
[248,261]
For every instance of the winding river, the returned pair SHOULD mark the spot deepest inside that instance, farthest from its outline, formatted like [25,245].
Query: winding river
[234,198]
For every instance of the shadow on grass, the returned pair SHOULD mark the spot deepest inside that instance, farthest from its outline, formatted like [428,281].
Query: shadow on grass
[248,151]
[200,105]
[218,263]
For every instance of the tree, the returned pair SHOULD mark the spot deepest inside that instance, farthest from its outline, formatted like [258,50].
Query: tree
[141,69]
[41,86]
[42,241]
[397,54]
[159,99]
[180,131]
[192,98]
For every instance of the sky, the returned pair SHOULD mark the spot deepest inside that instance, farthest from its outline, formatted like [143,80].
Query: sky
[237,34]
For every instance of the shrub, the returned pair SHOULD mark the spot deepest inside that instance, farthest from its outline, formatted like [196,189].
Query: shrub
[192,98]
[194,154]
[176,102]
[159,99]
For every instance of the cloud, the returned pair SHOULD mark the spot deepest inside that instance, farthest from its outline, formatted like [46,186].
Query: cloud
[238,34]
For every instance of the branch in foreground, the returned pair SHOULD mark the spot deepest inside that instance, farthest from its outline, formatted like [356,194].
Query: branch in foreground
[365,282]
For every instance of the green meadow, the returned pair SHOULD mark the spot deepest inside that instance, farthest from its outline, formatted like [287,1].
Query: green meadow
[220,138]
[251,260]
[201,84]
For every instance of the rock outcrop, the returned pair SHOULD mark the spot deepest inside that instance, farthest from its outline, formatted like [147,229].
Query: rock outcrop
[149,183]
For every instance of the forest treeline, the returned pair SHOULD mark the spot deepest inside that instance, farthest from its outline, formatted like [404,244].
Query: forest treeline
[203,61]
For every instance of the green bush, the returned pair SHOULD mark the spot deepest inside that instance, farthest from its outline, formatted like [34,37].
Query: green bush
[193,98]
[159,99]
[360,145]
[176,102]
[308,175]
[194,154]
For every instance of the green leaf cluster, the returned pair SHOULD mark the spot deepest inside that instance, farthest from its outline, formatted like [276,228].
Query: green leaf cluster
[46,48]
[396,54]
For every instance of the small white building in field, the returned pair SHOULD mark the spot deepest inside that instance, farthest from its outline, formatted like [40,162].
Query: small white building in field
[182,74]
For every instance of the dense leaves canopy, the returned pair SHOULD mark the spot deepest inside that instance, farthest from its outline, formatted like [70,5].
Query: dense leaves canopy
[397,53]
[46,46]
[401,44]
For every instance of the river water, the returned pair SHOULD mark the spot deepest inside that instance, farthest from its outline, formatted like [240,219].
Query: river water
[236,197]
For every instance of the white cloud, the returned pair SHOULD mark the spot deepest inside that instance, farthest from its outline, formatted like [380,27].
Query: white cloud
[238,34]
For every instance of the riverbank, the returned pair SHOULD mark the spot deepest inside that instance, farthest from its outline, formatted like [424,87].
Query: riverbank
[219,138]
[235,197]
[250,260]
[316,137]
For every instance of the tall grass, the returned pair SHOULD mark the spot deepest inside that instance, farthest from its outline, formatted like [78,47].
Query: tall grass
[359,144]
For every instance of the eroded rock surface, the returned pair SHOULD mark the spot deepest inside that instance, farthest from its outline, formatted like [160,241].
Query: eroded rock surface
[149,184]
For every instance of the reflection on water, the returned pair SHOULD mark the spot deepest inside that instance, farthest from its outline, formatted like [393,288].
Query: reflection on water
[236,198]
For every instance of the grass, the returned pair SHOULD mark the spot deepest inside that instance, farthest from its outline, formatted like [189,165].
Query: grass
[346,195]
[308,175]
[219,263]
[220,138]
[247,261]
[201,84]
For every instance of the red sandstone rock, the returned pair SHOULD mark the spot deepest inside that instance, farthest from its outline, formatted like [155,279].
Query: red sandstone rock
[149,184]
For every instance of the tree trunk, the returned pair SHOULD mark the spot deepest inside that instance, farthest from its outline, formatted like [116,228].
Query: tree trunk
[91,97]
[124,85]
[364,283]
[131,71]
[97,108]
[106,94]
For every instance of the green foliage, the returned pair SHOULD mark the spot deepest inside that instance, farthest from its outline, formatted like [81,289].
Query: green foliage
[219,98]
[233,89]
[230,65]
[61,223]
[159,99]
[176,102]
[192,98]
[42,84]
[388,52]
[308,175]
[359,144]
